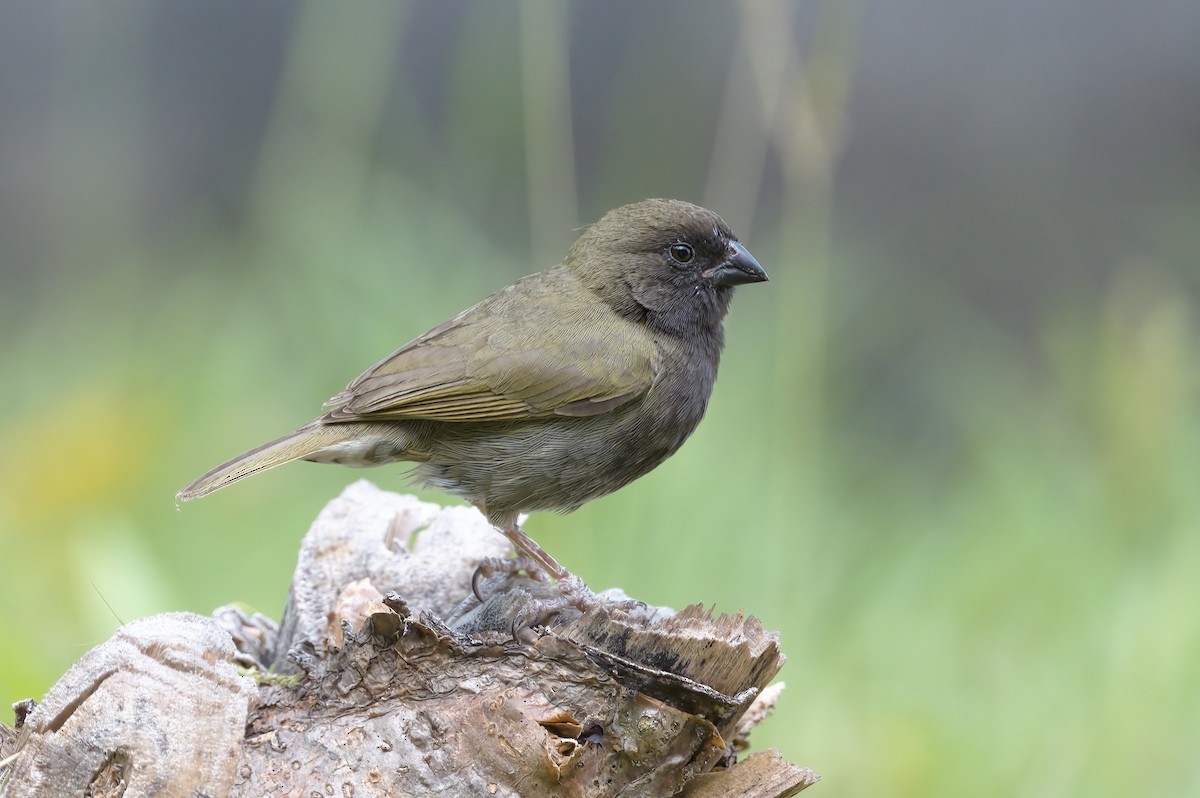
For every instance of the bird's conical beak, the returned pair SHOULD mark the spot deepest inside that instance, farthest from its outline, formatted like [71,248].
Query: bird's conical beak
[738,267]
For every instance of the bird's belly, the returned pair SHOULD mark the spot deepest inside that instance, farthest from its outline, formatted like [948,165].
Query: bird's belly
[553,464]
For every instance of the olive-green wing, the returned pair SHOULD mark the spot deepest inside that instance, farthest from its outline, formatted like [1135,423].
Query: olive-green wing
[503,361]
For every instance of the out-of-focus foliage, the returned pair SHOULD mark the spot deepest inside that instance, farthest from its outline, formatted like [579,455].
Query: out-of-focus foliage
[954,453]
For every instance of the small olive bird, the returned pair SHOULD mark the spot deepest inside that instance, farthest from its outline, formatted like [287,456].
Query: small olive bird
[562,387]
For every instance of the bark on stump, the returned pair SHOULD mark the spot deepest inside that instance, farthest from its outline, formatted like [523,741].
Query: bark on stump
[387,677]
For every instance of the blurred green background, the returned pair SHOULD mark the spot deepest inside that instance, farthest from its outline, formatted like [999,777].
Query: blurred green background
[954,450]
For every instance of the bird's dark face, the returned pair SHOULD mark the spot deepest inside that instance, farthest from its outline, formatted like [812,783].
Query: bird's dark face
[669,263]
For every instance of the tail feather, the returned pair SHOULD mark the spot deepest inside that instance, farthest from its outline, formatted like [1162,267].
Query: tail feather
[298,445]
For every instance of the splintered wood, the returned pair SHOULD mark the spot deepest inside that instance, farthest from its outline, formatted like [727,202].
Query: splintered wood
[388,677]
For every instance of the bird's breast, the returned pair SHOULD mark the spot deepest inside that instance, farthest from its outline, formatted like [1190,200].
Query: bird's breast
[561,462]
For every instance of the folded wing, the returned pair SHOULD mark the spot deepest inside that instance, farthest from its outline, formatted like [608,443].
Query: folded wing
[490,363]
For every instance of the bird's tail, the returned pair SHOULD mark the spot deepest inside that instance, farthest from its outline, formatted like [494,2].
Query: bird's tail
[317,441]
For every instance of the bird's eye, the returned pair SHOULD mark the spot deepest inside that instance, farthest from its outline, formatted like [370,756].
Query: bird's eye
[681,253]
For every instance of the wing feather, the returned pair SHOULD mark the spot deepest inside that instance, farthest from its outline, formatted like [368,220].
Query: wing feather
[501,361]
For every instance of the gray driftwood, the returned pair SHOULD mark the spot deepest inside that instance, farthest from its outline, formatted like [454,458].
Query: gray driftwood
[388,677]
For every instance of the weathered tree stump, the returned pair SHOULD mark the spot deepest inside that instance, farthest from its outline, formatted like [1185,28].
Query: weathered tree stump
[388,677]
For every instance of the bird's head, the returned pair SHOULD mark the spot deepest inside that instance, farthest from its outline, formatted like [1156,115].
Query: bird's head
[667,262]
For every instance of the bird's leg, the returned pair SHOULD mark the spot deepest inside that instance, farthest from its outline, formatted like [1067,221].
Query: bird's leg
[528,551]
[573,593]
[528,548]
[531,558]
[569,592]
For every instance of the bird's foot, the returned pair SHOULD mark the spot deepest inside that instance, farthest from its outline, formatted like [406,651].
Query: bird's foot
[570,599]
[502,570]
[506,568]
[516,596]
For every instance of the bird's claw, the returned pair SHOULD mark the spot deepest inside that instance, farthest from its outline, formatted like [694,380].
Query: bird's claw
[544,603]
[507,567]
[570,598]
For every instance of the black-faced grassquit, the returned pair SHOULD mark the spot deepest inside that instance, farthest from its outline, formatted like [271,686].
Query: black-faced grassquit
[560,388]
